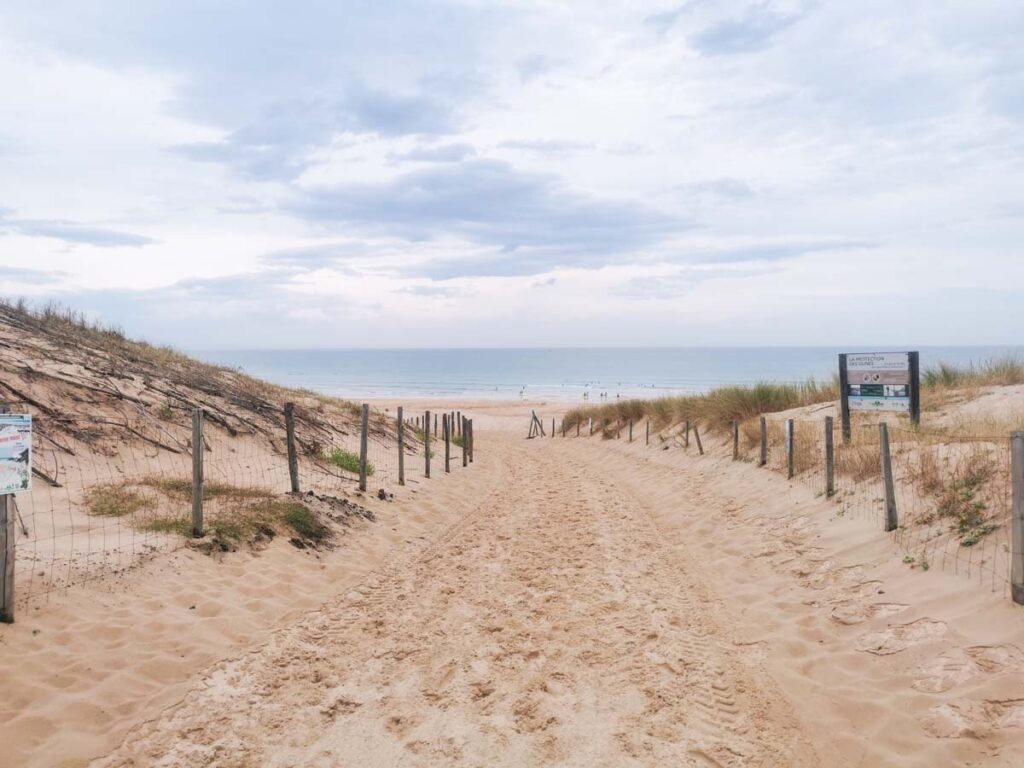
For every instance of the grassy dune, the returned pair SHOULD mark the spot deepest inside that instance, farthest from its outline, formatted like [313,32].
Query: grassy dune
[719,407]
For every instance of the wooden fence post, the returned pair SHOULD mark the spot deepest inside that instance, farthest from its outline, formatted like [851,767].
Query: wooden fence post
[790,440]
[293,456]
[631,430]
[446,430]
[763,458]
[435,425]
[1017,519]
[735,440]
[696,434]
[426,445]
[686,434]
[591,426]
[577,426]
[364,428]
[830,457]
[8,540]
[401,447]
[458,422]
[472,438]
[647,434]
[463,429]
[197,472]
[552,427]
[8,537]
[891,515]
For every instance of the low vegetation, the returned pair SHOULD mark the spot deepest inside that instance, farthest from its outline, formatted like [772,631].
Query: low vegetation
[116,500]
[347,460]
[181,488]
[245,515]
[719,407]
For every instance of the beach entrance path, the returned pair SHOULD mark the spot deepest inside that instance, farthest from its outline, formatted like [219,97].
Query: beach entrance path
[554,624]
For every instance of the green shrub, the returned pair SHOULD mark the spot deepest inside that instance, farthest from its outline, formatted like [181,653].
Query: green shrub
[348,460]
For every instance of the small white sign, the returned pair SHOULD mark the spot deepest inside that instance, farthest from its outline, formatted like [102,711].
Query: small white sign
[15,452]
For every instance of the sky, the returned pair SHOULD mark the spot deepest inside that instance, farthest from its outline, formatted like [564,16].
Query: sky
[435,174]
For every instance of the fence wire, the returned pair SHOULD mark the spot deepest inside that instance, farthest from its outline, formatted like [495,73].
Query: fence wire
[101,504]
[953,492]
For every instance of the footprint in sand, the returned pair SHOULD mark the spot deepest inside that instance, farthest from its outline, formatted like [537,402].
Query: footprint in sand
[900,637]
[954,667]
[970,719]
[850,612]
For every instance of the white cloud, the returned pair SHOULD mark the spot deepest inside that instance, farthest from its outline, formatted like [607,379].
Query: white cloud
[670,172]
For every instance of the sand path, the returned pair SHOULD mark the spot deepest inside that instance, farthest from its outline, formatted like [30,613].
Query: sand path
[606,603]
[553,625]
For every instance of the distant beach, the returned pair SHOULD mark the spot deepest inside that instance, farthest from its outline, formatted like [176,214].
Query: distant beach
[568,375]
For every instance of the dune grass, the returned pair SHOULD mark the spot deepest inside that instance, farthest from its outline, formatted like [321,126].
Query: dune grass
[348,460]
[719,407]
[115,500]
[248,523]
[1000,371]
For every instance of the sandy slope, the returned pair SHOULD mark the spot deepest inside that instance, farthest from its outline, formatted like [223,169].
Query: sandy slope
[564,602]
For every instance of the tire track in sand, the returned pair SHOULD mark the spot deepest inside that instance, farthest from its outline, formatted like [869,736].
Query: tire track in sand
[551,627]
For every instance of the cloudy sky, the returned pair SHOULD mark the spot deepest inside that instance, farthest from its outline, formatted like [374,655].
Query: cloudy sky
[531,173]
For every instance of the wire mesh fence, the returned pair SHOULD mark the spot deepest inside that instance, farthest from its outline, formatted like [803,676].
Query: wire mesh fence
[952,493]
[100,505]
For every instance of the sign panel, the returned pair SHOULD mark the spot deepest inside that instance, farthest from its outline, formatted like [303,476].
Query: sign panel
[879,381]
[879,368]
[15,453]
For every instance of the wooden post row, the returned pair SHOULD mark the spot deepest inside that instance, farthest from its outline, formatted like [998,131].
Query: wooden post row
[426,445]
[790,438]
[8,537]
[830,457]
[891,516]
[197,472]
[446,429]
[364,428]
[8,553]
[401,447]
[1017,519]
[763,458]
[293,456]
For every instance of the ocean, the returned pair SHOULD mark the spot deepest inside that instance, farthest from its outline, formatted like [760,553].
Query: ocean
[572,375]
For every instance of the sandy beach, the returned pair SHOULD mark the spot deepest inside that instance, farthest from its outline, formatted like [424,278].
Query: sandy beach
[565,602]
